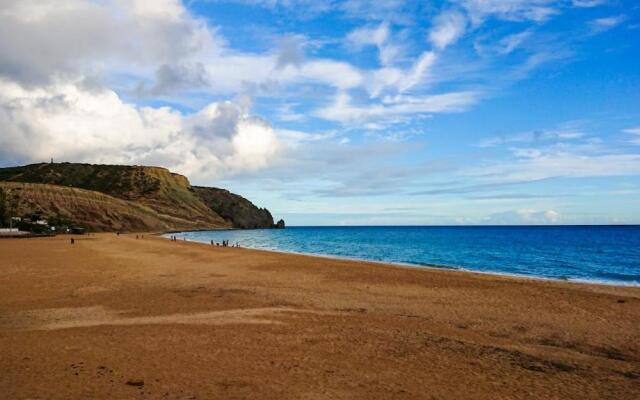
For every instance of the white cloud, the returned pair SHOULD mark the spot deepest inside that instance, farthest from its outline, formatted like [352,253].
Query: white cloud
[604,24]
[54,102]
[387,10]
[157,42]
[338,74]
[43,40]
[379,37]
[562,162]
[635,132]
[57,56]
[291,51]
[511,42]
[589,3]
[69,69]
[366,36]
[447,28]
[173,78]
[515,10]
[286,112]
[563,133]
[69,122]
[344,111]
[551,154]
[523,217]
[398,80]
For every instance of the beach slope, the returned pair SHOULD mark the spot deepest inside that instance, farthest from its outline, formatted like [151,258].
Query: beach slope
[113,317]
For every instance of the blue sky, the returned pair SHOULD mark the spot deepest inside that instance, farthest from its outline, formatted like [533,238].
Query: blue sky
[343,112]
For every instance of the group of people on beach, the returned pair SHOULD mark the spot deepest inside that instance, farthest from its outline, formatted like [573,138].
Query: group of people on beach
[173,238]
[225,243]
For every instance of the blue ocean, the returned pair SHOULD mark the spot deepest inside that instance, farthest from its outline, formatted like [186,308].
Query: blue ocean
[601,254]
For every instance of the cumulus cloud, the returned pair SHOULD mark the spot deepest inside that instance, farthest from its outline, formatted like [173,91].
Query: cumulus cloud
[45,40]
[68,122]
[171,78]
[159,49]
[54,101]
[291,51]
[70,72]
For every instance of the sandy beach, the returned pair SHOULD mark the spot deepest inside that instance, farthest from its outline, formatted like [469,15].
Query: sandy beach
[115,317]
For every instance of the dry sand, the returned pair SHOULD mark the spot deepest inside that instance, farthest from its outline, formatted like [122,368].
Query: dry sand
[117,318]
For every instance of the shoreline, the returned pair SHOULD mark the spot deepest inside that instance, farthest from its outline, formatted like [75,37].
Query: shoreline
[431,266]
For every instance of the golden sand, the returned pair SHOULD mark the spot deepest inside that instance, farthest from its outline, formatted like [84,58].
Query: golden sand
[114,317]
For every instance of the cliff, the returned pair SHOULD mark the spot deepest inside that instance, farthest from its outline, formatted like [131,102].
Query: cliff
[93,210]
[129,198]
[235,209]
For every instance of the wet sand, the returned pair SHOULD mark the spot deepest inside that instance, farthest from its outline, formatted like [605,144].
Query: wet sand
[123,318]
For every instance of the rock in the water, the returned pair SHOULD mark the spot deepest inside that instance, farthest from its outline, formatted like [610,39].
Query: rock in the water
[280,224]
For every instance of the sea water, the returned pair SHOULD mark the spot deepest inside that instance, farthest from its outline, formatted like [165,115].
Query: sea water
[604,254]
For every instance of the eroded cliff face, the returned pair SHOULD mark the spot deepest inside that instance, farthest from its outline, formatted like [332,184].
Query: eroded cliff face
[168,200]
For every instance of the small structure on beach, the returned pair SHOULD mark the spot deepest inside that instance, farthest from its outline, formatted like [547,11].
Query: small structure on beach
[77,230]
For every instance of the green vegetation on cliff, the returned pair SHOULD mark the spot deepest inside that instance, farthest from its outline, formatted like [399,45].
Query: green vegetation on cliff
[119,197]
[234,208]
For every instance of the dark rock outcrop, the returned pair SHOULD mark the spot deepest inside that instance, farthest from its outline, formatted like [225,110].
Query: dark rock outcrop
[235,209]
